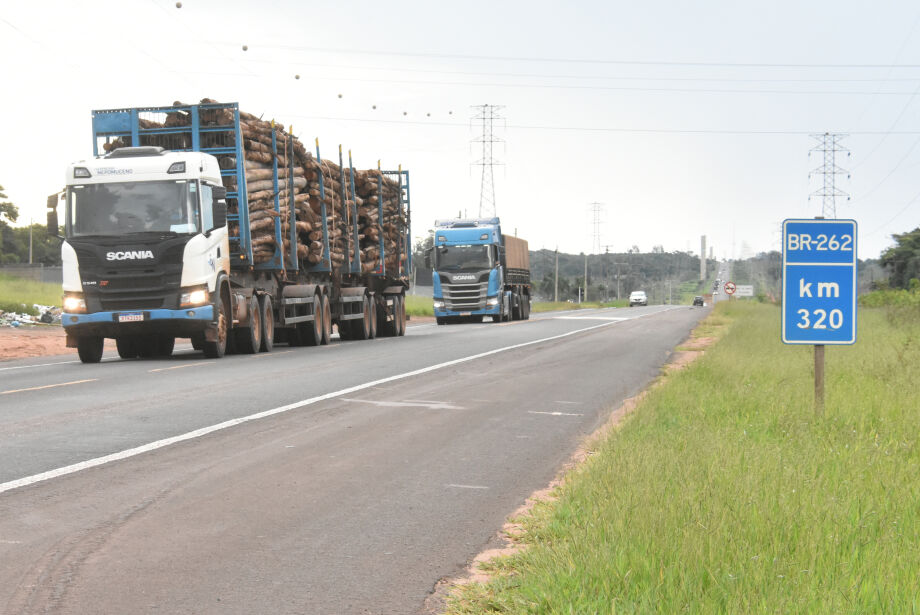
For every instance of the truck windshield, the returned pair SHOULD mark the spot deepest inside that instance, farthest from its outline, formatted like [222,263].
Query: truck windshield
[133,207]
[462,257]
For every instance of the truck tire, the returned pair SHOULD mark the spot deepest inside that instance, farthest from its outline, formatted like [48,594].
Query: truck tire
[90,349]
[248,340]
[515,305]
[401,316]
[218,348]
[197,341]
[441,320]
[127,347]
[373,320]
[310,333]
[327,319]
[387,327]
[268,323]
[362,327]
[525,307]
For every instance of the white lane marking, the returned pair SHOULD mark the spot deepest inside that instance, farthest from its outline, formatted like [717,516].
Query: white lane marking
[465,486]
[183,366]
[554,413]
[47,386]
[616,319]
[105,359]
[571,403]
[431,405]
[198,433]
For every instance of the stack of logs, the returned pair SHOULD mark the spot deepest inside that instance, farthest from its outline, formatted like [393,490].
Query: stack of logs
[299,176]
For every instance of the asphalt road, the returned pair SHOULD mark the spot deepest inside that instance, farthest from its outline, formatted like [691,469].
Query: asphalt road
[342,479]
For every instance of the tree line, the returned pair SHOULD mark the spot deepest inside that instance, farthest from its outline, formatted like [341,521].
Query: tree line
[14,240]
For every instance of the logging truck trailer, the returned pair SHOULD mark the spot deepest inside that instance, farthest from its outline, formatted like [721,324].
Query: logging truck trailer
[156,247]
[478,271]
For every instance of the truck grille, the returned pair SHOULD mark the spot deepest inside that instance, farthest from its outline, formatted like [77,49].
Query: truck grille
[465,297]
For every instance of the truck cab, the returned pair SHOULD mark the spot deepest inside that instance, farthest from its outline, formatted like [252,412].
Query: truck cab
[145,251]
[471,273]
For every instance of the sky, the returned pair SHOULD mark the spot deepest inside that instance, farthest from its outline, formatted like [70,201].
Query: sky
[680,119]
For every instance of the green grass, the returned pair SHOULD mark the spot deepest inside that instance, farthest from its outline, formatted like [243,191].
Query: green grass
[19,294]
[724,493]
[419,306]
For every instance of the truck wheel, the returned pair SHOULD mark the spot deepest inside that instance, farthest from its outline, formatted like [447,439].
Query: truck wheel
[197,341]
[90,349]
[525,307]
[362,327]
[165,346]
[127,347]
[515,305]
[248,340]
[401,315]
[310,333]
[268,324]
[373,319]
[327,320]
[387,327]
[217,348]
[441,320]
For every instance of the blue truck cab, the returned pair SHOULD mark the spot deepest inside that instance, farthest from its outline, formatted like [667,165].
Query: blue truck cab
[478,271]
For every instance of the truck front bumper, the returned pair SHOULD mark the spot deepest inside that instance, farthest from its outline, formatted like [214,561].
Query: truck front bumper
[180,323]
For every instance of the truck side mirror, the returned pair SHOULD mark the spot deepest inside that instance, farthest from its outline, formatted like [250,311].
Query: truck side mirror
[54,228]
[220,206]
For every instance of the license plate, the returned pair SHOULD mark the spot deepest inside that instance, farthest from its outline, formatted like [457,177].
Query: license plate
[131,317]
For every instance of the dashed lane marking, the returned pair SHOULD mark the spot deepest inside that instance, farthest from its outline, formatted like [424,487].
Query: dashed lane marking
[47,386]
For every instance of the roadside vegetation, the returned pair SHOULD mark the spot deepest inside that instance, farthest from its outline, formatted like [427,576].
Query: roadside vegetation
[19,294]
[725,493]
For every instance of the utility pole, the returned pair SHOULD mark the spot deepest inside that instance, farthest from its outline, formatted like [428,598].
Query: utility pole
[30,239]
[586,278]
[828,146]
[487,114]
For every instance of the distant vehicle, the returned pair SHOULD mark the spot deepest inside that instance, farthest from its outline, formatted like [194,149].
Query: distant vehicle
[637,297]
[698,300]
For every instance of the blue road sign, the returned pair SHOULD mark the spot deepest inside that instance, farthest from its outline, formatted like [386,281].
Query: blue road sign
[819,281]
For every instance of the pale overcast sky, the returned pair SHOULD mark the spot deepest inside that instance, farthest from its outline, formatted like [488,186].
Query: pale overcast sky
[682,118]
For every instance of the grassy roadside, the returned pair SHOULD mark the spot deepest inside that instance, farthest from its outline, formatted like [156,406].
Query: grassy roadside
[724,494]
[19,294]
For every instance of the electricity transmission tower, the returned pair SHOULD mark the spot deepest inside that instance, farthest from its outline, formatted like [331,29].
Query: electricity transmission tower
[487,114]
[829,145]
[596,211]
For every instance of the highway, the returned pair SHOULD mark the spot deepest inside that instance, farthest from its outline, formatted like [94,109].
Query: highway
[349,478]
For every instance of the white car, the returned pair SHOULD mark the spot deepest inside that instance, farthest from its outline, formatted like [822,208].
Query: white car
[637,297]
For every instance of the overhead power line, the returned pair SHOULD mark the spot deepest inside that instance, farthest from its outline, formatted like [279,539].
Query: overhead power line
[460,56]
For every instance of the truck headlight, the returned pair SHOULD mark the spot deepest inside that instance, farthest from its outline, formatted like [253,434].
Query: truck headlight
[438,305]
[492,301]
[196,296]
[74,304]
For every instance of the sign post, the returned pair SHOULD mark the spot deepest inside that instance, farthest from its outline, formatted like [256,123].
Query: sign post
[819,288]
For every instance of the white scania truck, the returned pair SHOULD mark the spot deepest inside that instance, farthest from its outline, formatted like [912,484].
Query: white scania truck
[148,254]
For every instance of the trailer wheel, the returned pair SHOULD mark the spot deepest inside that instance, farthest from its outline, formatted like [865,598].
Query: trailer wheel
[248,340]
[401,316]
[90,349]
[217,348]
[373,319]
[361,328]
[310,333]
[327,319]
[268,324]
[525,307]
[515,306]
[127,347]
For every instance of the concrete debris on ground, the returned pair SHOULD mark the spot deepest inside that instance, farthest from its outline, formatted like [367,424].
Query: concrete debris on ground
[48,315]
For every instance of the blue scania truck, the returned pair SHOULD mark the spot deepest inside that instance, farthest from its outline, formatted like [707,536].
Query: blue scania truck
[478,271]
